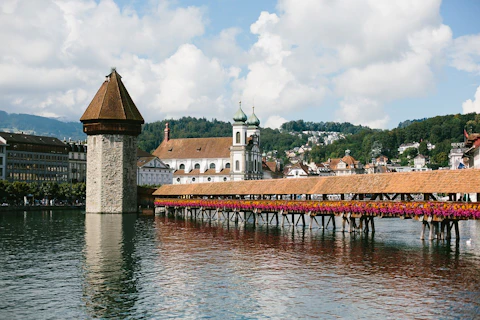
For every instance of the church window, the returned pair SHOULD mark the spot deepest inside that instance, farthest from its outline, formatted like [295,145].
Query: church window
[182,167]
[237,165]
[238,137]
[212,165]
[255,168]
[178,179]
[245,138]
[193,179]
[225,179]
[197,165]
[227,165]
[209,179]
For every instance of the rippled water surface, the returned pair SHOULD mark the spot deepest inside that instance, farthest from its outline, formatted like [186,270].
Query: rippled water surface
[71,265]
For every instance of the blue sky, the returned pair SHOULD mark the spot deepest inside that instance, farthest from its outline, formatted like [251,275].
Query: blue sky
[374,63]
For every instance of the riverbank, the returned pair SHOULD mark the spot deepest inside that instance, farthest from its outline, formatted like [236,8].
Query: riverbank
[39,208]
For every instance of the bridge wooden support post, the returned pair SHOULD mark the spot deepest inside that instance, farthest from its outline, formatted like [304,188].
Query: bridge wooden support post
[457,231]
[424,226]
[352,225]
[360,223]
[323,222]
[310,225]
[432,231]
[344,221]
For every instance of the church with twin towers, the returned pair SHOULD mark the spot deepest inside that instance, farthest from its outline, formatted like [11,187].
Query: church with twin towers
[234,158]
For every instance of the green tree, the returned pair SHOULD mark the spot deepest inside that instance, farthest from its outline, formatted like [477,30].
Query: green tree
[410,153]
[423,149]
[49,190]
[3,190]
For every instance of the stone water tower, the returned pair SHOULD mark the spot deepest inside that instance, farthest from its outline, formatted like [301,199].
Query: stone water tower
[112,123]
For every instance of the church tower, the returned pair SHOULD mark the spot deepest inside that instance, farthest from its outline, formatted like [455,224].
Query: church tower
[239,145]
[112,123]
[254,156]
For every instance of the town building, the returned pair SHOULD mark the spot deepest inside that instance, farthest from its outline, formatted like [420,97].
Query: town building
[77,161]
[419,161]
[233,158]
[298,170]
[152,171]
[473,150]
[345,166]
[33,158]
[456,156]
[112,123]
[3,159]
[404,146]
[272,169]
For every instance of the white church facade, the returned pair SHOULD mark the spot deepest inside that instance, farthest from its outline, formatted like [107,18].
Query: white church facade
[196,160]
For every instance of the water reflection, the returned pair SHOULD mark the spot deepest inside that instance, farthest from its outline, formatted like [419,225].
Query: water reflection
[278,272]
[110,287]
[76,266]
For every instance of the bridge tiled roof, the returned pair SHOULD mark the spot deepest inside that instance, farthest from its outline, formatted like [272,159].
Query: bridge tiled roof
[439,181]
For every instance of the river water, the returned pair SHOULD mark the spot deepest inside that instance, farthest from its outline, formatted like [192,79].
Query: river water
[68,265]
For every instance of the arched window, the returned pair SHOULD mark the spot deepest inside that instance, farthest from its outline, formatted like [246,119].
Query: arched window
[245,138]
[212,165]
[255,167]
[178,179]
[237,165]
[209,179]
[227,165]
[225,179]
[197,165]
[238,137]
[182,167]
[193,179]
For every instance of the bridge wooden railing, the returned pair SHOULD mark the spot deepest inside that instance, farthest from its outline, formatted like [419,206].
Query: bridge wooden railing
[412,209]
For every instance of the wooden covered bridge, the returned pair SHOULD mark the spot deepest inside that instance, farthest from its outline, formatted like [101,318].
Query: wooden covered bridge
[437,198]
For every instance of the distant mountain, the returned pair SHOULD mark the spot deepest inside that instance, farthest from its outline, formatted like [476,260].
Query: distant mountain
[41,126]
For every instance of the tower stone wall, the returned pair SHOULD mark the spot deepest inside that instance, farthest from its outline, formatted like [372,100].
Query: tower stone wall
[112,123]
[111,174]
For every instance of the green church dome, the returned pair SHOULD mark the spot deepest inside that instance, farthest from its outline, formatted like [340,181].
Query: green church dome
[240,116]
[253,120]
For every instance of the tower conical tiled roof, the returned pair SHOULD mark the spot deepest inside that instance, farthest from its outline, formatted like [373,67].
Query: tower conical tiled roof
[112,109]
[112,102]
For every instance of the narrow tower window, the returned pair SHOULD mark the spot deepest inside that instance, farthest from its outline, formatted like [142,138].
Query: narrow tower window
[238,137]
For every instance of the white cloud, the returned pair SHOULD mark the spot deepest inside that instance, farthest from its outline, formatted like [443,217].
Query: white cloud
[189,83]
[363,111]
[274,122]
[465,53]
[470,106]
[58,50]
[362,51]
[364,54]
[224,46]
